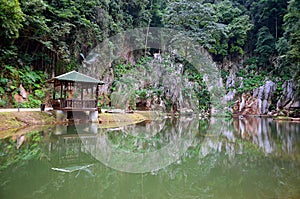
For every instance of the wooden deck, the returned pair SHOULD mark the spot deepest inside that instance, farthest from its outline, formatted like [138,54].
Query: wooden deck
[74,105]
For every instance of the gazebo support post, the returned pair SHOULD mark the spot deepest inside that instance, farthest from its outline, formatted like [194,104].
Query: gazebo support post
[97,95]
[93,116]
[61,95]
[81,95]
[53,94]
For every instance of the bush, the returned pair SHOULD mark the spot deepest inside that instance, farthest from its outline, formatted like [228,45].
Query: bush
[32,102]
[33,82]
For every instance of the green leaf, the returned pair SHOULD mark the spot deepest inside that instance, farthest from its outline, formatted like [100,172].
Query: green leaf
[2,91]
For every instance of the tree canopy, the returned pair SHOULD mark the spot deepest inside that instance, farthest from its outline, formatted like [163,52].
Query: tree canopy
[54,36]
[47,34]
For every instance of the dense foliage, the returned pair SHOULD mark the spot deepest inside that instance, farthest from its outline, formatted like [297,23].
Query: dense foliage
[54,36]
[34,83]
[219,27]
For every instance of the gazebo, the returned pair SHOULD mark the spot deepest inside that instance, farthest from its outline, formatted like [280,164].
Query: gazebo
[74,91]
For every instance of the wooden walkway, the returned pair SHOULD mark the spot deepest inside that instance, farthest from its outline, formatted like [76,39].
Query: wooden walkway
[3,110]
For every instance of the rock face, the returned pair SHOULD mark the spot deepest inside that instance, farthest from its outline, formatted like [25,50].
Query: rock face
[288,97]
[165,87]
[265,99]
[259,102]
[264,95]
[159,85]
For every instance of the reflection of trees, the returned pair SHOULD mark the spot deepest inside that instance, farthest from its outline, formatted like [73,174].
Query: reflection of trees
[20,148]
[144,148]
[237,156]
[227,161]
[171,137]
[138,147]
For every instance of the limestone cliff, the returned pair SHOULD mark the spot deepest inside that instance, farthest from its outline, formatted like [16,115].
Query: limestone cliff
[268,98]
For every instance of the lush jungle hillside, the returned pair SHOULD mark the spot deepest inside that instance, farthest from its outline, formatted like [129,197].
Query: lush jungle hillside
[255,44]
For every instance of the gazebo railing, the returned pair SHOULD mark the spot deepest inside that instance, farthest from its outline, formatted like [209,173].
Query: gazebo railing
[79,104]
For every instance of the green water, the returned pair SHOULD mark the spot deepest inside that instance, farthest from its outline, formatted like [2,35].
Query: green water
[172,158]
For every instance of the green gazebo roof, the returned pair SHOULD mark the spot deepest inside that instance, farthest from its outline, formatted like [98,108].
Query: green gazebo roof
[75,76]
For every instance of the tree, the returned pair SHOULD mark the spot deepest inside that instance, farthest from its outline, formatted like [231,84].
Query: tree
[269,13]
[11,18]
[219,27]
[265,45]
[157,13]
[292,32]
[199,20]
[288,46]
[238,25]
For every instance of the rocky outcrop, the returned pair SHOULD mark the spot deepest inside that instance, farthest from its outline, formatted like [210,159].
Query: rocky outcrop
[176,93]
[270,98]
[159,85]
[263,96]
[259,102]
[288,98]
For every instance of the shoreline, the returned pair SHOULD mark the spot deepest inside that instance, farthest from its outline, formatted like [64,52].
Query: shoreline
[279,118]
[13,121]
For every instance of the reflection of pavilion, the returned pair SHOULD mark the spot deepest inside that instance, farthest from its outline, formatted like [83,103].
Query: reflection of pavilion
[67,144]
[109,146]
[77,92]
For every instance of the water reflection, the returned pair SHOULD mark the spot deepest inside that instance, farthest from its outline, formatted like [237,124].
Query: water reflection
[273,137]
[150,146]
[167,140]
[135,148]
[248,158]
[265,133]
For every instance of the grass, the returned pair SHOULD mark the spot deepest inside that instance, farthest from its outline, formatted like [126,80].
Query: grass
[121,117]
[15,120]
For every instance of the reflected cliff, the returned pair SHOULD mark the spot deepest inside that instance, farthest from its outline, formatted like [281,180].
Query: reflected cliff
[216,158]
[270,136]
[157,141]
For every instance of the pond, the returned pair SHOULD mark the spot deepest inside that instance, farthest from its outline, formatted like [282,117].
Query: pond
[168,158]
